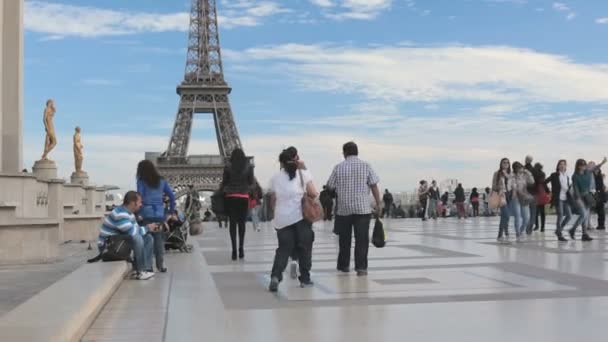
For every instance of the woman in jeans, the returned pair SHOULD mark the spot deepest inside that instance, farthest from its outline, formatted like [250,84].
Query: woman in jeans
[236,183]
[522,179]
[582,196]
[502,184]
[294,233]
[152,188]
[560,198]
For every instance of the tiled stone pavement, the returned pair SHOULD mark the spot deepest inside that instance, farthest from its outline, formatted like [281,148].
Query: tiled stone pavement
[434,281]
[20,282]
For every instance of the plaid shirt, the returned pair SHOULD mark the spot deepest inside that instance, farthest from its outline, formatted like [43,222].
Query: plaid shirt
[352,179]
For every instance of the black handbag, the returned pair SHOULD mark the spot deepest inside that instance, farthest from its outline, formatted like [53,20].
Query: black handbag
[378,236]
[589,200]
[218,202]
[118,248]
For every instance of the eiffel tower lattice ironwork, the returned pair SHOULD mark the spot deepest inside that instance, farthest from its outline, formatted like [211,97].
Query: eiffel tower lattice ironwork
[204,90]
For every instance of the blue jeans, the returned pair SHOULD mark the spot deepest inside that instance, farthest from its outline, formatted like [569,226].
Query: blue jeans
[142,250]
[505,213]
[564,214]
[583,218]
[255,216]
[522,216]
[159,242]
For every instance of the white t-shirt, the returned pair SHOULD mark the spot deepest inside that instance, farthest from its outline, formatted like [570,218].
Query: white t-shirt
[288,209]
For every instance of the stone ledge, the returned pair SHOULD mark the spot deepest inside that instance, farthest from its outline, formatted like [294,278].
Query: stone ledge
[65,310]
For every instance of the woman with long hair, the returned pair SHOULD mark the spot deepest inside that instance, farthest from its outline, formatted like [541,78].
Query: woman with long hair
[522,179]
[502,184]
[236,183]
[542,190]
[583,198]
[474,199]
[560,197]
[294,232]
[153,188]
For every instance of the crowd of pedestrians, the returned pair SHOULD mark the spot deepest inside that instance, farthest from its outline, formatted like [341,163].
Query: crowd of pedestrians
[518,191]
[521,191]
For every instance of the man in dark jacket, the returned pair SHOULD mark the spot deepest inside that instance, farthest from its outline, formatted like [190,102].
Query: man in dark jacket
[460,198]
[600,198]
[532,189]
[387,198]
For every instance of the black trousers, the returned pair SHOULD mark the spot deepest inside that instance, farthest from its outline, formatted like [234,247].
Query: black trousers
[328,210]
[345,226]
[540,213]
[601,214]
[423,203]
[237,209]
[298,237]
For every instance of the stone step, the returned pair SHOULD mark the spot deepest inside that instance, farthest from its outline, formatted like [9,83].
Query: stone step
[65,310]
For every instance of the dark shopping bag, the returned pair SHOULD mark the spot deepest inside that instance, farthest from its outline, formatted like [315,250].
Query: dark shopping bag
[118,248]
[378,236]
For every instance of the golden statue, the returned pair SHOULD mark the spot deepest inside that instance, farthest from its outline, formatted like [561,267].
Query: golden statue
[78,155]
[50,140]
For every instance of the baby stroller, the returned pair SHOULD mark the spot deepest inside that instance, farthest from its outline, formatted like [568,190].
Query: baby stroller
[177,233]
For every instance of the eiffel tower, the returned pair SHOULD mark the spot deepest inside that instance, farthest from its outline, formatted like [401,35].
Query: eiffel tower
[204,90]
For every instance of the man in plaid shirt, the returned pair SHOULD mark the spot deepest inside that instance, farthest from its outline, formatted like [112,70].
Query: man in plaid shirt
[352,180]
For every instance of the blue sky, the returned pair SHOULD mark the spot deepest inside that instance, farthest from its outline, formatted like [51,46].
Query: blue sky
[429,89]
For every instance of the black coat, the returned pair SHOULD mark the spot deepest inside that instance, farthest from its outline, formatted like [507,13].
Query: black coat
[599,187]
[556,187]
[459,193]
[238,181]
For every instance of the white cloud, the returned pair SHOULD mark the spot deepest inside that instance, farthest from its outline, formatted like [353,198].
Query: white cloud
[60,20]
[323,3]
[353,9]
[482,73]
[562,7]
[602,20]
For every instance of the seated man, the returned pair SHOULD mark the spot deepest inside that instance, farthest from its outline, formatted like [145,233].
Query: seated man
[122,221]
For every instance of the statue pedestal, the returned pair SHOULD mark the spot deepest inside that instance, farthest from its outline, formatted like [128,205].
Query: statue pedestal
[45,169]
[81,178]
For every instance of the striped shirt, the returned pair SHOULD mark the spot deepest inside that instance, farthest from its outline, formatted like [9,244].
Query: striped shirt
[119,221]
[352,179]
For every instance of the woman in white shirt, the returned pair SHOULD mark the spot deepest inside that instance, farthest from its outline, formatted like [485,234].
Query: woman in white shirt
[287,188]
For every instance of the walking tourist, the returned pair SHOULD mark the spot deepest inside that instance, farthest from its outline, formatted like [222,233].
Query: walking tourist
[474,199]
[542,191]
[388,200]
[522,180]
[352,180]
[423,196]
[502,186]
[122,221]
[561,197]
[583,199]
[237,180]
[255,205]
[327,202]
[152,188]
[532,189]
[486,204]
[294,232]
[459,200]
[444,203]
[433,200]
[600,198]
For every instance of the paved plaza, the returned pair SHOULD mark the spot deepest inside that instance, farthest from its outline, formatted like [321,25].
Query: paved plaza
[434,281]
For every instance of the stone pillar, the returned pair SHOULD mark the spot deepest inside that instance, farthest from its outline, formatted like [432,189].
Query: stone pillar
[1,73]
[90,196]
[12,86]
[55,205]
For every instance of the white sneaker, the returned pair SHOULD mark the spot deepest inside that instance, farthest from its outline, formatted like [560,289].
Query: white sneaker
[145,275]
